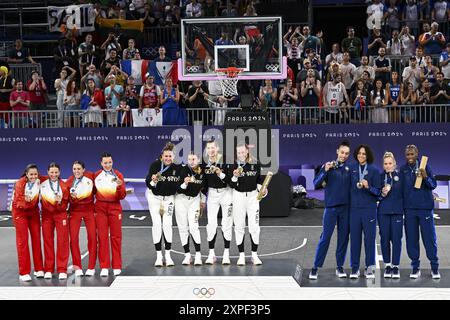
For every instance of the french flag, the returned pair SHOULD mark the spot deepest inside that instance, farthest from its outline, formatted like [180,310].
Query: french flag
[136,68]
[162,70]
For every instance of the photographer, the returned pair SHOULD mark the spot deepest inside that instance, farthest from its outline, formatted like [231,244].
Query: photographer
[111,43]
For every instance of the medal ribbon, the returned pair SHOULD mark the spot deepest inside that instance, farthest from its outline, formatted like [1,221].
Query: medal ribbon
[58,187]
[362,173]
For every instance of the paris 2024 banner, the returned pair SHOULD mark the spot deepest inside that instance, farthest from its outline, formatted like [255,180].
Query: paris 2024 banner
[295,150]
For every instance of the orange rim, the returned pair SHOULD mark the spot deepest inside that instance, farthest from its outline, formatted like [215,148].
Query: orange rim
[231,72]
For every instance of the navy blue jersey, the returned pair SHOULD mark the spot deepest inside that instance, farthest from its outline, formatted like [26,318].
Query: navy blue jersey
[337,188]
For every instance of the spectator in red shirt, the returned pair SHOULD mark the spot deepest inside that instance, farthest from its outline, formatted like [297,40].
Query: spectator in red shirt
[37,90]
[19,101]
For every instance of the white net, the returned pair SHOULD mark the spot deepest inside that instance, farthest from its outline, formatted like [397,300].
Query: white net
[228,82]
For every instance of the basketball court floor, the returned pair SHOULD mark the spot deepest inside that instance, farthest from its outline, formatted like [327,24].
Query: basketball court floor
[287,248]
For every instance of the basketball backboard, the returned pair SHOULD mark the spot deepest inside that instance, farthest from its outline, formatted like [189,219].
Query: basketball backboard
[253,44]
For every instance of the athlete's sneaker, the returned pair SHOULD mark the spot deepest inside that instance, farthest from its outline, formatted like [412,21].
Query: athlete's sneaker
[90,273]
[241,260]
[198,259]
[388,271]
[25,278]
[187,259]
[313,274]
[48,275]
[355,273]
[226,257]
[104,272]
[395,272]
[369,273]
[62,276]
[159,259]
[340,273]
[255,259]
[169,261]
[211,259]
[435,274]
[39,274]
[78,273]
[415,273]
[117,272]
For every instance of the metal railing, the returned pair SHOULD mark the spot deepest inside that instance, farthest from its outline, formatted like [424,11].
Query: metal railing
[399,62]
[209,116]
[22,71]
[369,114]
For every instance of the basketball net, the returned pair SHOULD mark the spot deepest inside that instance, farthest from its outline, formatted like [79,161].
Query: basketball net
[228,80]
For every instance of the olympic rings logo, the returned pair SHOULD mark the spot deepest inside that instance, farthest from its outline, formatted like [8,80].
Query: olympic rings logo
[204,292]
[192,68]
[272,67]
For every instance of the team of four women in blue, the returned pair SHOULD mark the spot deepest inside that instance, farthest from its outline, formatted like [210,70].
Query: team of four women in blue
[357,196]
[180,190]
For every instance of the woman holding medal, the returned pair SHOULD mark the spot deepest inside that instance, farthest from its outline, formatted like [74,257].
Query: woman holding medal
[54,201]
[25,214]
[81,207]
[390,217]
[110,189]
[419,205]
[336,177]
[246,182]
[189,202]
[219,196]
[365,188]
[163,180]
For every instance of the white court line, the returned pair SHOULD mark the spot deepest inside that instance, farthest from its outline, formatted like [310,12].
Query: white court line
[84,255]
[260,255]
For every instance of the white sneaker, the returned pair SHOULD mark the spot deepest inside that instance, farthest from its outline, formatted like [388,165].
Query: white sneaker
[117,272]
[104,273]
[198,259]
[79,273]
[39,274]
[187,259]
[90,273]
[211,258]
[255,259]
[62,276]
[226,257]
[25,278]
[168,258]
[48,275]
[241,260]
[159,259]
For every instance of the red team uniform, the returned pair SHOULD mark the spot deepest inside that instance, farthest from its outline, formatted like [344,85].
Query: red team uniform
[54,215]
[109,217]
[81,207]
[26,218]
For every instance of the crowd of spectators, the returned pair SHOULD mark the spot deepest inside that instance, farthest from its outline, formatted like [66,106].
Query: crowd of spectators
[400,66]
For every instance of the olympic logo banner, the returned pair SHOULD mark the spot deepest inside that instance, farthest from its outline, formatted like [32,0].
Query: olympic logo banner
[204,292]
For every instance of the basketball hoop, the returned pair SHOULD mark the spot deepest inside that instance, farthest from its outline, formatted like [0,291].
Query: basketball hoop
[228,78]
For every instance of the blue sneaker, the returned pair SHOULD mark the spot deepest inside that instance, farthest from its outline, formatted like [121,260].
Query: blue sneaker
[340,273]
[313,274]
[355,273]
[388,271]
[435,274]
[415,274]
[395,272]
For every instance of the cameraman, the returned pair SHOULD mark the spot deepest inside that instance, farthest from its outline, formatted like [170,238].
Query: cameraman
[112,42]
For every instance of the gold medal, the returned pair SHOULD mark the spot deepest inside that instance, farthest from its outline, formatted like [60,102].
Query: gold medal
[240,170]
[192,179]
[161,209]
[158,176]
